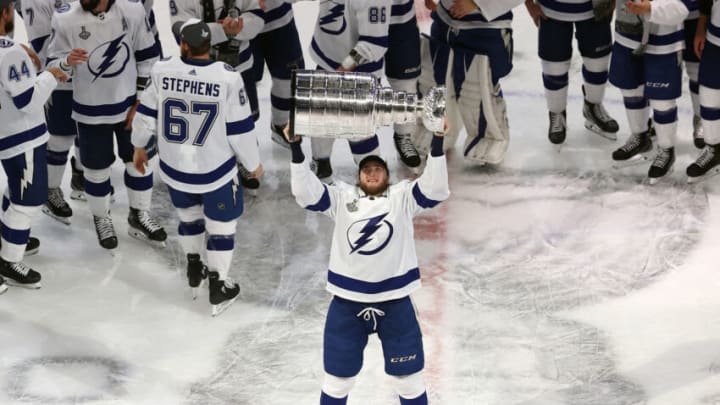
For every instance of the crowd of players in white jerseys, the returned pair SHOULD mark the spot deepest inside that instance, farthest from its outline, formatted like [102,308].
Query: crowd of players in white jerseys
[107,48]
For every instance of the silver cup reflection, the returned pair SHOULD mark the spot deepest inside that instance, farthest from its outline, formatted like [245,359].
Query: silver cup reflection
[354,105]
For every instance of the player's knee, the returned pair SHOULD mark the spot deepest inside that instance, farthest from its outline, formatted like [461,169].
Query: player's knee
[409,386]
[663,105]
[220,227]
[597,64]
[60,143]
[97,175]
[337,387]
[190,214]
[19,216]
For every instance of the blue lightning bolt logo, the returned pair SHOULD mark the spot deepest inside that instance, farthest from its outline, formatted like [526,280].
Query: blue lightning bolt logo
[368,233]
[235,187]
[331,17]
[28,173]
[110,52]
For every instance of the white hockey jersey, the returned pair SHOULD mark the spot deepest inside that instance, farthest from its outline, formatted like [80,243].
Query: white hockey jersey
[249,10]
[567,10]
[666,27]
[490,14]
[121,47]
[344,25]
[203,121]
[277,14]
[372,257]
[23,94]
[37,16]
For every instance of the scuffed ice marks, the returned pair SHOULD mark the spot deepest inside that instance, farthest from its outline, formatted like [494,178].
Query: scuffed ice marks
[540,243]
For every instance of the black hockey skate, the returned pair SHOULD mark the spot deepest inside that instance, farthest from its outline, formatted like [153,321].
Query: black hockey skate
[323,170]
[698,135]
[105,231]
[77,183]
[599,121]
[662,164]
[222,293]
[558,127]
[143,227]
[56,207]
[19,274]
[277,136]
[635,150]
[196,272]
[249,183]
[3,285]
[706,165]
[406,150]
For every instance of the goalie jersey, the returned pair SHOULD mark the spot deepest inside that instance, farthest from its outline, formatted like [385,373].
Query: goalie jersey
[372,257]
[344,25]
[203,121]
[121,48]
[22,96]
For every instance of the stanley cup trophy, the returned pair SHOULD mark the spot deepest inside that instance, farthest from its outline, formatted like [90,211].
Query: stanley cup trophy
[353,105]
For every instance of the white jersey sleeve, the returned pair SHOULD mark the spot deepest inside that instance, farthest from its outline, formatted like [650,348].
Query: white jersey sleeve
[19,79]
[430,188]
[239,124]
[312,194]
[146,50]
[253,21]
[144,124]
[668,12]
[373,20]
[60,46]
[37,15]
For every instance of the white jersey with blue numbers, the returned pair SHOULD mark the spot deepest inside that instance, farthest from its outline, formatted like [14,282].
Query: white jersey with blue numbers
[666,27]
[202,120]
[37,16]
[567,10]
[249,10]
[402,11]
[22,96]
[713,30]
[277,14]
[344,25]
[121,48]
[372,257]
[490,14]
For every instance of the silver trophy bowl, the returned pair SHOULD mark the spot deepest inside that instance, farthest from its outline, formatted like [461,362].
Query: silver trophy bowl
[354,105]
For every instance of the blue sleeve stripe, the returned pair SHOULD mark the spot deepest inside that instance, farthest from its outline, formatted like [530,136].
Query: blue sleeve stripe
[379,41]
[322,55]
[22,137]
[258,13]
[421,199]
[104,109]
[24,98]
[365,146]
[144,110]
[198,178]
[147,53]
[240,127]
[277,13]
[38,43]
[401,9]
[321,205]
[377,287]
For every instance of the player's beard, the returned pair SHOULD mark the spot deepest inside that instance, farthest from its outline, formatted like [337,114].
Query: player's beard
[375,189]
[9,26]
[89,5]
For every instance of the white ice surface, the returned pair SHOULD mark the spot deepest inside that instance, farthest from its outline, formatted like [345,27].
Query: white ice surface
[550,279]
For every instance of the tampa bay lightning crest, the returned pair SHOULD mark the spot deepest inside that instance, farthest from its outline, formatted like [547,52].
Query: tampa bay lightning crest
[333,22]
[109,59]
[369,236]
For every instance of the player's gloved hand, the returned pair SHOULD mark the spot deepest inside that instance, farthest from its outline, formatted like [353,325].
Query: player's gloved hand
[232,26]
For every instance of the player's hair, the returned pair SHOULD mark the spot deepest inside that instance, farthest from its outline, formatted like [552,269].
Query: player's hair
[200,50]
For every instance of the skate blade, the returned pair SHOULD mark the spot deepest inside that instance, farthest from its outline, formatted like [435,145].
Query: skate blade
[220,308]
[597,130]
[633,161]
[49,213]
[141,237]
[712,173]
[33,286]
[195,291]
[32,251]
[3,288]
[655,180]
[78,195]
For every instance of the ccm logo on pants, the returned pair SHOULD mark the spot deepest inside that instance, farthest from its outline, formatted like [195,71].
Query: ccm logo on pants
[403,359]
